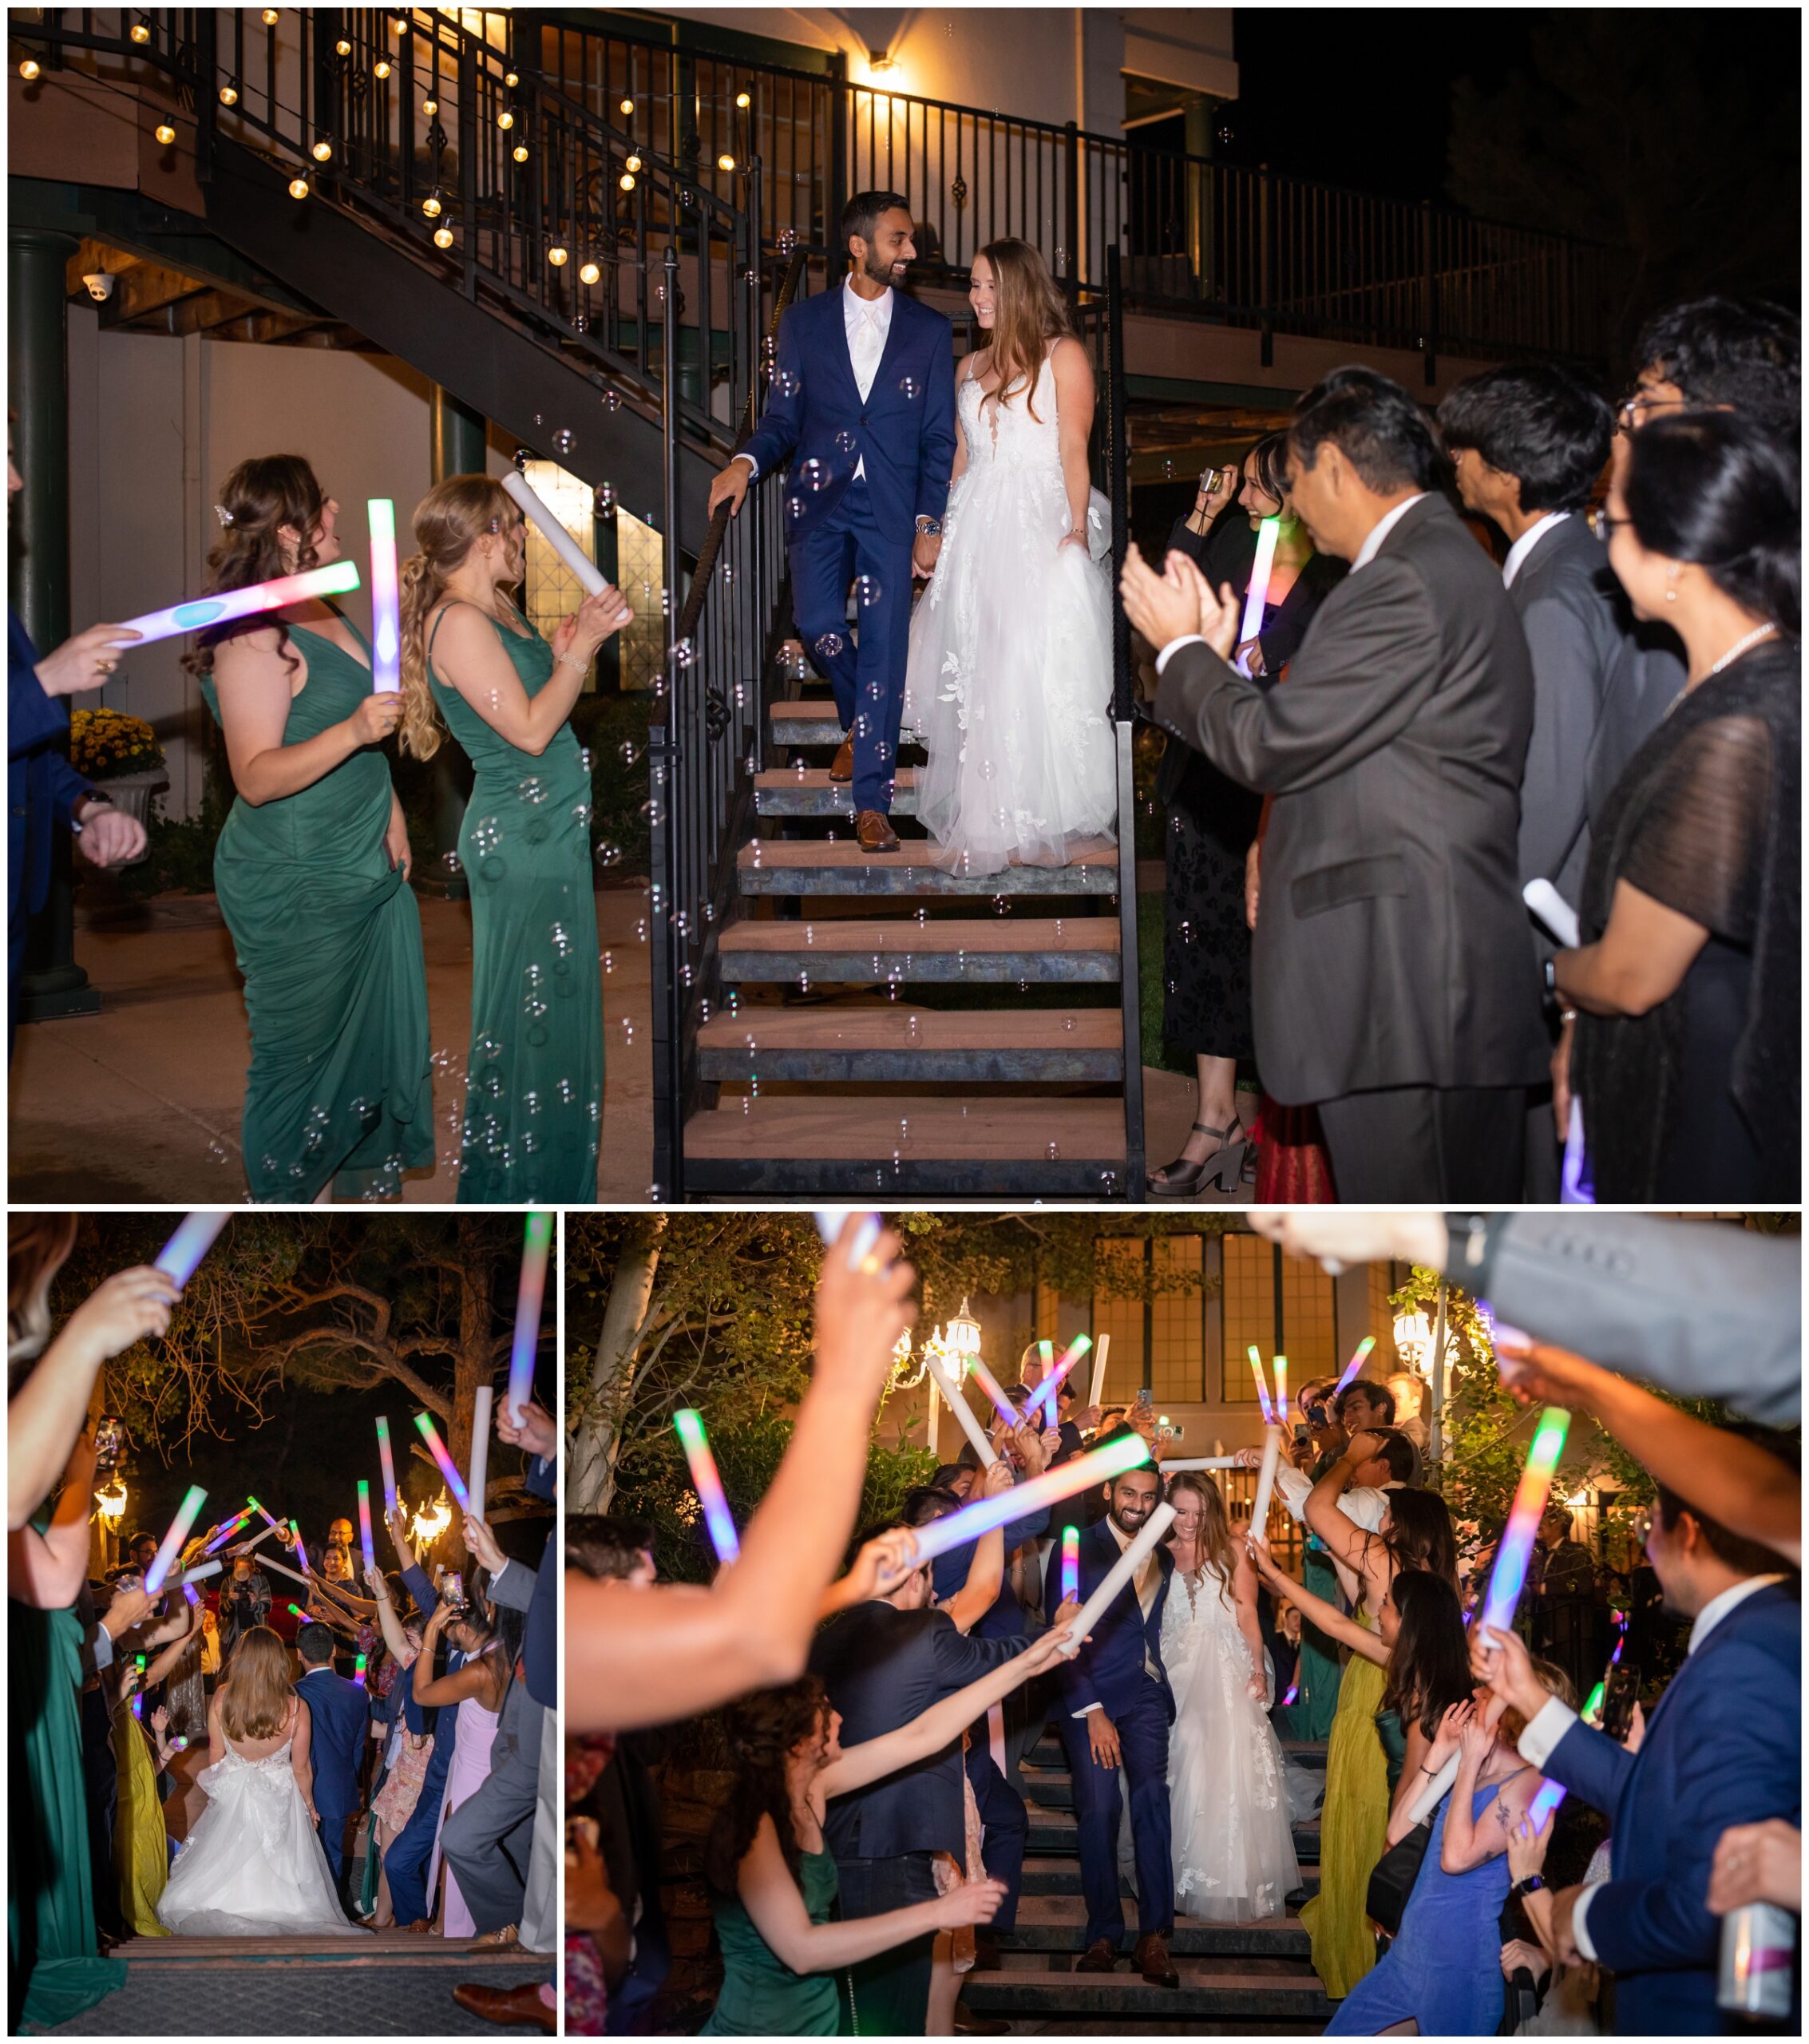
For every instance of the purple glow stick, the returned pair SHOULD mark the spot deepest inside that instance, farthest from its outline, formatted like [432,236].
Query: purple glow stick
[527,1343]
[389,1462]
[448,1469]
[1070,1564]
[364,1524]
[1044,1395]
[227,605]
[708,1485]
[1549,1795]
[1100,1465]
[386,608]
[275,1524]
[179,1256]
[226,1532]
[1356,1363]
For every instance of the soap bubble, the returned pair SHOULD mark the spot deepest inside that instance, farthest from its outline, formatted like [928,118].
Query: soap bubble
[684,652]
[813,474]
[785,384]
[606,501]
[911,387]
[628,752]
[607,854]
[612,400]
[486,834]
[845,440]
[564,440]
[867,590]
[533,789]
[830,644]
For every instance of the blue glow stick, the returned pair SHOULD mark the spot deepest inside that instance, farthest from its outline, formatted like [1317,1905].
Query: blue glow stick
[184,1249]
[1549,1796]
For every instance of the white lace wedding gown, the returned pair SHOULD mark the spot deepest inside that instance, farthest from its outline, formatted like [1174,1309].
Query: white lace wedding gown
[1010,674]
[1233,1844]
[254,1865]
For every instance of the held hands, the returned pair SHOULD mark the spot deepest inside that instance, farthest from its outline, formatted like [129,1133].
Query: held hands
[129,1607]
[376,716]
[85,661]
[1077,537]
[535,1435]
[1209,503]
[924,548]
[111,837]
[730,485]
[1635,1729]
[1477,1734]
[396,1518]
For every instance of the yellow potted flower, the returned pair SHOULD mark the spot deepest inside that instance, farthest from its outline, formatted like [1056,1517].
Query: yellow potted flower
[122,756]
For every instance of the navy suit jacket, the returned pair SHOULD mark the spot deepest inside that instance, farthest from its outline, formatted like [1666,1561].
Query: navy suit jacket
[883,1668]
[903,431]
[1109,1669]
[1003,1618]
[341,1712]
[41,785]
[539,1646]
[1724,1747]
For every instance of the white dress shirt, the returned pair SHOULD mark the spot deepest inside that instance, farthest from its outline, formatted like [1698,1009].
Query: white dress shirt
[867,322]
[1522,546]
[1554,1718]
[1362,1506]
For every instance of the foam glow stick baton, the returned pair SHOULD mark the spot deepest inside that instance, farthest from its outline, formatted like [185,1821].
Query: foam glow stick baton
[560,540]
[480,1447]
[708,1485]
[275,1524]
[281,1568]
[301,1552]
[1293,1691]
[389,1462]
[535,1245]
[1509,1575]
[187,1513]
[179,1256]
[1262,1386]
[942,1536]
[333,579]
[1256,597]
[364,1524]
[385,606]
[1043,1398]
[448,1469]
[1070,1563]
[1550,1794]
[138,1699]
[990,1384]
[179,1744]
[191,1593]
[829,1221]
[1435,1791]
[1265,1483]
[358,1669]
[1046,1351]
[1282,1391]
[182,1578]
[1099,1370]
[296,1611]
[1120,1573]
[958,1405]
[1553,911]
[1356,1363]
[272,1527]
[226,1532]
[1173,1467]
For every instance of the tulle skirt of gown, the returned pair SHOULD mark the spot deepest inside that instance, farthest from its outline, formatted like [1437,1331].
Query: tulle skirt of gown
[254,1866]
[1010,676]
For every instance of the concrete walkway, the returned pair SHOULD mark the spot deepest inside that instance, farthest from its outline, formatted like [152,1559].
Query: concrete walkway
[140,1104]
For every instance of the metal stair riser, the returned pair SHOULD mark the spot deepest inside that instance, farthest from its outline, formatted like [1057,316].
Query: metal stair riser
[775,797]
[821,727]
[1187,1940]
[906,1067]
[1060,1874]
[1065,1996]
[890,873]
[979,1178]
[946,968]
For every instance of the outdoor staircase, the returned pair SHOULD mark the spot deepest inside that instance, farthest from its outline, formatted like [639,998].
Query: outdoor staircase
[1251,1980]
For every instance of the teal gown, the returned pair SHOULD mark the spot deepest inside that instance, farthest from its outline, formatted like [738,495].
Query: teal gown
[762,1996]
[328,938]
[533,1098]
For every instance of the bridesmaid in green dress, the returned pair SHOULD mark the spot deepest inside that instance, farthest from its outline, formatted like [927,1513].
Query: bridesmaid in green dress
[312,866]
[533,1100]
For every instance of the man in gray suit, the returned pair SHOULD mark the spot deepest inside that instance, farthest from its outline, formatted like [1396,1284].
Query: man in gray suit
[1394,977]
[1528,443]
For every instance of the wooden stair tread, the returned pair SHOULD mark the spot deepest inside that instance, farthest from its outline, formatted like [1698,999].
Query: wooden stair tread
[905,933]
[817,778]
[815,854]
[867,1130]
[886,1028]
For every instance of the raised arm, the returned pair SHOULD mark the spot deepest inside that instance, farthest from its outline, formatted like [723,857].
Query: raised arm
[1425,1757]
[1328,1618]
[390,1625]
[469,657]
[254,680]
[1343,1539]
[161,1669]
[985,1572]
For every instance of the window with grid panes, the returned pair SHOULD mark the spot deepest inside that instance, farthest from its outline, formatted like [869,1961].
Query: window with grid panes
[641,573]
[1382,1315]
[1122,1319]
[1248,1299]
[1309,1321]
[1178,1344]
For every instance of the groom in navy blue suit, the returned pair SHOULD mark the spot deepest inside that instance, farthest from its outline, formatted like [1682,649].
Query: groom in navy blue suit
[339,1712]
[1116,1707]
[862,406]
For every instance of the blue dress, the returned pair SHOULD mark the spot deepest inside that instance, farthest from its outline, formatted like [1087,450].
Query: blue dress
[1443,1969]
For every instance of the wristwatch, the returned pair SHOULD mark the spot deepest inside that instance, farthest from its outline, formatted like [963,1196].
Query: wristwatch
[929,529]
[1532,1883]
[89,806]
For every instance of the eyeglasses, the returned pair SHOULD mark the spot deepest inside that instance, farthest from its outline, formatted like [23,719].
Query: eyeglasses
[1603,526]
[1642,401]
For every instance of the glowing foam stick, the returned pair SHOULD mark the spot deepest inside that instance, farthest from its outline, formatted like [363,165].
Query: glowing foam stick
[1550,1794]
[272,1527]
[358,1669]
[990,1384]
[179,1744]
[1262,1386]
[448,1469]
[1099,1370]
[480,1447]
[1256,597]
[385,608]
[708,1485]
[1046,1351]
[560,540]
[1509,1574]
[536,1245]
[1102,1465]
[227,605]
[283,1569]
[275,1524]
[182,1578]
[1265,1483]
[179,1256]
[191,1593]
[226,1532]
[1282,1391]
[1070,1563]
[138,1699]
[1553,911]
[1592,1710]
[1576,1181]
[958,1405]
[1293,1691]
[301,1552]
[295,1611]
[1356,1363]
[364,1524]
[1174,1468]
[187,1513]
[1155,1527]
[1435,1791]
[829,1221]
[1043,1398]
[389,1462]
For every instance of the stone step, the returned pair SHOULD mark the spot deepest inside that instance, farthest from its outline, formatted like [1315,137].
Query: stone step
[1058,1923]
[1053,1830]
[869,951]
[792,1145]
[1048,1753]
[1204,1992]
[838,865]
[810,792]
[1060,1874]
[879,1044]
[813,721]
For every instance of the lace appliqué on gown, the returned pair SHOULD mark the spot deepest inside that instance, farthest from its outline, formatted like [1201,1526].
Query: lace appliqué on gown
[1009,676]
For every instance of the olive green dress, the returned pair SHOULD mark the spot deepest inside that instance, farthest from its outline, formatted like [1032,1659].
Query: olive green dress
[328,938]
[1353,1832]
[533,1098]
[762,1996]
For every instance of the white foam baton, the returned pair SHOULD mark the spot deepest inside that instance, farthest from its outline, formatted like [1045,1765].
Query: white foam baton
[1265,1482]
[182,1578]
[1120,1573]
[1553,911]
[593,580]
[226,605]
[941,1536]
[480,1474]
[1199,1462]
[964,1414]
[187,1513]
[1099,1370]
[1256,597]
[179,1255]
[829,1221]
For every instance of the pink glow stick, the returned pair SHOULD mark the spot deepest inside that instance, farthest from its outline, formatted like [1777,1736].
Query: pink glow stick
[389,1462]
[385,606]
[448,1469]
[535,1250]
[1070,1563]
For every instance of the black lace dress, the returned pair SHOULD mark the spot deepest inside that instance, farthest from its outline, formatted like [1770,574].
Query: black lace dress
[1699,1101]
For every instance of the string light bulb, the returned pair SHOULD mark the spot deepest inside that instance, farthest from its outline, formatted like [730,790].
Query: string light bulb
[431,205]
[381,68]
[519,153]
[342,48]
[270,17]
[744,100]
[588,273]
[557,256]
[443,237]
[512,79]
[634,163]
[298,187]
[166,134]
[627,180]
[724,161]
[229,95]
[323,151]
[628,106]
[28,69]
[141,31]
[429,107]
[505,118]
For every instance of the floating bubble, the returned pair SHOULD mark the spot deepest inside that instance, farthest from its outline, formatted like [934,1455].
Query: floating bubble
[867,590]
[1054,1152]
[785,384]
[564,440]
[628,752]
[452,862]
[606,854]
[684,652]
[486,833]
[609,961]
[531,1103]
[612,400]
[581,815]
[813,474]
[844,441]
[533,789]
[650,810]
[606,499]
[830,644]
[910,386]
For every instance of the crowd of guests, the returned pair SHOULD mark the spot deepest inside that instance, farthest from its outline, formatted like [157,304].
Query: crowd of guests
[416,1718]
[1602,695]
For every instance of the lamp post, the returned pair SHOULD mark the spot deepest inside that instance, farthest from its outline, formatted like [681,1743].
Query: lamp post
[1421,1347]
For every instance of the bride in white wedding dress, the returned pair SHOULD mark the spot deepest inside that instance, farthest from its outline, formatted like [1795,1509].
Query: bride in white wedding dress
[1010,673]
[1234,1842]
[254,1865]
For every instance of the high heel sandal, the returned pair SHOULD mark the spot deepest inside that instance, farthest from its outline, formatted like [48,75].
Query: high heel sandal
[1224,1167]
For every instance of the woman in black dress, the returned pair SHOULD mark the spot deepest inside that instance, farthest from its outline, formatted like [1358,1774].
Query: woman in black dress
[1212,823]
[1682,1010]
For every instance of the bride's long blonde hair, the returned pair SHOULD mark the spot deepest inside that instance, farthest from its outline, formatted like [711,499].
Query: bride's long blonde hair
[1028,312]
[255,1697]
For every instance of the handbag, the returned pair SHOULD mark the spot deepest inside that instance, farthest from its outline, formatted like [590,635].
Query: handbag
[1392,1881]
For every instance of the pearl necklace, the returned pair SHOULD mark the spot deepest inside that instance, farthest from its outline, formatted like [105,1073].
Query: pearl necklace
[1740,646]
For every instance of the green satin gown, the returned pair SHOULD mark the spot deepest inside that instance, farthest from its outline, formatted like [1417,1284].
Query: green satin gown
[328,938]
[533,1098]
[762,1996]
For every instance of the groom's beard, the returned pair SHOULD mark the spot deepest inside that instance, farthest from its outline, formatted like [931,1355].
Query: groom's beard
[879,270]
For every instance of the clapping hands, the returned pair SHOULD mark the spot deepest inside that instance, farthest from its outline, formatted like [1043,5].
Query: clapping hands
[1178,603]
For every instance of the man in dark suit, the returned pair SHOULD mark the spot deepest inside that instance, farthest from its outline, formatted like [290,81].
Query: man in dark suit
[884,1662]
[1724,1747]
[1393,979]
[862,406]
[340,1712]
[1528,442]
[1115,1709]
[406,1857]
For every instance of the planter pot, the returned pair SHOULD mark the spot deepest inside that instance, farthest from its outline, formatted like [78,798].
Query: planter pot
[130,794]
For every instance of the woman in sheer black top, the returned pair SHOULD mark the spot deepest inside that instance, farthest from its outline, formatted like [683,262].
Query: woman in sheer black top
[1683,1006]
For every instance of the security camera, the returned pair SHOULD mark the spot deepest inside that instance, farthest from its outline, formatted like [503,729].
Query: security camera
[99,284]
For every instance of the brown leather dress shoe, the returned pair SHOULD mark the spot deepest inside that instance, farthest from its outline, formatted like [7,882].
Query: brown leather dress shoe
[507,2005]
[1099,1957]
[875,832]
[841,767]
[1150,1958]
